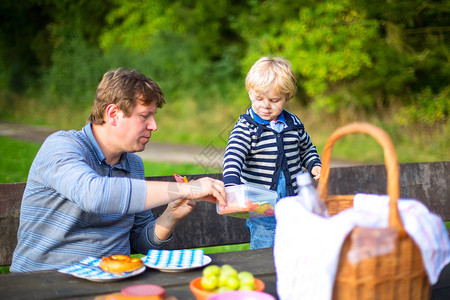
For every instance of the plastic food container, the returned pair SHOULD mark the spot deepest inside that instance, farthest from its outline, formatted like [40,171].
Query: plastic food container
[248,201]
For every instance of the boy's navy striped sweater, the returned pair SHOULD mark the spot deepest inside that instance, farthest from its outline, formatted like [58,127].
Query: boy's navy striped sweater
[256,153]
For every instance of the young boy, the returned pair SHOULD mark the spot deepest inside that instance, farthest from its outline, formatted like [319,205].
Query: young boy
[268,146]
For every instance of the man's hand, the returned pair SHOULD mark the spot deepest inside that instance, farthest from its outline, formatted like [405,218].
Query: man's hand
[180,208]
[316,172]
[203,189]
[207,189]
[174,213]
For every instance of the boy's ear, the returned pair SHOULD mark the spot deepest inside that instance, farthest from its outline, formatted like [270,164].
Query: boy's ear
[287,98]
[250,93]
[112,114]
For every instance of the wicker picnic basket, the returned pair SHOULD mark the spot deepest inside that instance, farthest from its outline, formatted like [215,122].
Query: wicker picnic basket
[397,273]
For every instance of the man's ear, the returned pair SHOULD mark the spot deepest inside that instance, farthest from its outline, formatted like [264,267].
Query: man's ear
[112,114]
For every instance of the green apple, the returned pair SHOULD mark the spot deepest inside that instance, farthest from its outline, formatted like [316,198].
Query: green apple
[209,283]
[222,280]
[227,267]
[212,270]
[232,283]
[228,270]
[246,278]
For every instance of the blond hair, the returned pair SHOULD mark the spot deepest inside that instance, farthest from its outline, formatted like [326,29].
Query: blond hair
[272,73]
[125,88]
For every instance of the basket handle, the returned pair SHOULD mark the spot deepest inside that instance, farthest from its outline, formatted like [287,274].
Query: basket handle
[390,161]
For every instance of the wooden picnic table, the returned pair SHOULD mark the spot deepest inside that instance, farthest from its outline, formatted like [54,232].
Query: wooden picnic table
[55,285]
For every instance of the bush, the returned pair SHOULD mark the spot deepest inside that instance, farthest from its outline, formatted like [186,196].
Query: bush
[74,74]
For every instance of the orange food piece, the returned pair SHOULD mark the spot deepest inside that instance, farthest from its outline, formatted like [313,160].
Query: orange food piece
[235,207]
[118,264]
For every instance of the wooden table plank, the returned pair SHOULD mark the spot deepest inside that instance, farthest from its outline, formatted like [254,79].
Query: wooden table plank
[55,285]
[52,284]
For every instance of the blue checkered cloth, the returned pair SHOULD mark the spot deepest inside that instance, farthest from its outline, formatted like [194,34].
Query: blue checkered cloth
[174,258]
[84,270]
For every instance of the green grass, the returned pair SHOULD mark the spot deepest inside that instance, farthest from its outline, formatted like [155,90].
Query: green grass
[16,157]
[163,169]
[191,121]
[226,248]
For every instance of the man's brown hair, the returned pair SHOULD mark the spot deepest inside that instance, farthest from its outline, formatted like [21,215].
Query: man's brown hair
[125,88]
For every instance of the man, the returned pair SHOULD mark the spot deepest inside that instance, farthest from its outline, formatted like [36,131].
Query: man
[86,194]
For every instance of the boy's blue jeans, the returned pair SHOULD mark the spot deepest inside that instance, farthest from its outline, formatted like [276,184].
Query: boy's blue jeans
[262,230]
[262,233]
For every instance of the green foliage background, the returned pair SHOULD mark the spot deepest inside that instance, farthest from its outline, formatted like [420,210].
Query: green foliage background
[386,62]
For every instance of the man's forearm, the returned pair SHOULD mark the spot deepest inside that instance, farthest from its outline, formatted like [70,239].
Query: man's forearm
[161,193]
[164,226]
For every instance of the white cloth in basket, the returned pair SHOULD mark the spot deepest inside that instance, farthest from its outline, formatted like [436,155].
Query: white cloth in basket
[425,228]
[307,246]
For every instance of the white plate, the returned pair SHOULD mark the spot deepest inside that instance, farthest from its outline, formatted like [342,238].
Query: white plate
[206,260]
[112,278]
[91,271]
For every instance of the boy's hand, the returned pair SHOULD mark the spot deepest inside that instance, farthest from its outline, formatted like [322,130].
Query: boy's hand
[316,172]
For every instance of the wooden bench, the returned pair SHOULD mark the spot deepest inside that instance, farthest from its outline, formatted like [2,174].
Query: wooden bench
[427,182]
